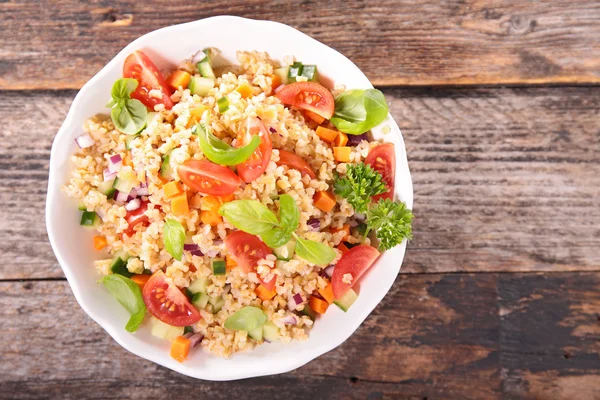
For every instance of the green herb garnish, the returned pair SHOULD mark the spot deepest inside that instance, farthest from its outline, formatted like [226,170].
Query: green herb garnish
[357,111]
[392,222]
[360,183]
[314,252]
[249,215]
[129,115]
[246,319]
[174,238]
[220,152]
[129,295]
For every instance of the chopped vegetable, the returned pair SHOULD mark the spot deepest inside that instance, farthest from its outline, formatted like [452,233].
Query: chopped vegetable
[179,204]
[285,252]
[246,319]
[327,293]
[100,242]
[309,72]
[357,111]
[204,64]
[141,279]
[340,140]
[230,263]
[315,117]
[341,154]
[172,189]
[294,71]
[275,81]
[219,267]
[326,134]
[180,348]
[359,184]
[244,89]
[346,300]
[318,305]
[119,267]
[129,295]
[200,85]
[90,218]
[84,141]
[223,104]
[200,300]
[174,238]
[264,294]
[195,115]
[392,222]
[178,79]
[342,247]
[324,201]
[198,285]
[345,228]
[165,331]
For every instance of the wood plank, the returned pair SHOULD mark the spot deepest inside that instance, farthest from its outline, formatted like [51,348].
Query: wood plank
[471,336]
[61,44]
[505,179]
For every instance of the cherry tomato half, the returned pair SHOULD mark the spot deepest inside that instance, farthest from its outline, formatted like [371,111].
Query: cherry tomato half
[208,178]
[294,161]
[256,165]
[166,302]
[308,96]
[247,250]
[383,160]
[136,217]
[139,67]
[356,262]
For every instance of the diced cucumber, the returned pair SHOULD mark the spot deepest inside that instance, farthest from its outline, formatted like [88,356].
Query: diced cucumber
[165,168]
[294,71]
[310,72]
[90,218]
[309,312]
[217,303]
[81,206]
[165,331]
[204,66]
[126,181]
[107,189]
[219,267]
[199,285]
[223,104]
[346,300]
[282,73]
[119,267]
[270,332]
[285,252]
[200,300]
[130,139]
[200,85]
[188,329]
[256,334]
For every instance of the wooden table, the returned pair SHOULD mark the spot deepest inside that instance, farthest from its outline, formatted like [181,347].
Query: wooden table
[499,292]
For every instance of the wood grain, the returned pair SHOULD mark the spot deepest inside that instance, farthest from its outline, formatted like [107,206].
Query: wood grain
[468,336]
[505,179]
[61,44]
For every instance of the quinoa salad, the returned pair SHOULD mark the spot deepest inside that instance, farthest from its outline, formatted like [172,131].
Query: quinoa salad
[233,206]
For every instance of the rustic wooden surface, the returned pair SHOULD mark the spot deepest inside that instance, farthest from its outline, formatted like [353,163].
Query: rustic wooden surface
[498,294]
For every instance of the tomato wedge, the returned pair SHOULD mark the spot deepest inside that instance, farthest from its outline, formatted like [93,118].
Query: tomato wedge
[138,66]
[208,178]
[355,262]
[308,96]
[136,217]
[383,160]
[256,165]
[166,302]
[247,250]
[294,161]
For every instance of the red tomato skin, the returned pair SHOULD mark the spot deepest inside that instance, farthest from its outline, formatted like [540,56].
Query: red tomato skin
[208,178]
[383,160]
[296,94]
[294,161]
[256,165]
[138,66]
[246,250]
[136,217]
[160,295]
[356,262]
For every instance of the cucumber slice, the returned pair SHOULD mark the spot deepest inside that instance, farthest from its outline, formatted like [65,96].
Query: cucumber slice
[219,267]
[217,303]
[294,71]
[223,104]
[205,67]
[119,267]
[128,141]
[285,252]
[199,285]
[165,168]
[270,332]
[90,218]
[200,300]
[165,331]
[256,334]
[346,300]
[107,188]
[282,73]
[309,312]
[310,72]
[200,85]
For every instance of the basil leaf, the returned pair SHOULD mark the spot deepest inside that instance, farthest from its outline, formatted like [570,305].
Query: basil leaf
[357,111]
[129,295]
[173,238]
[220,152]
[122,88]
[129,115]
[314,252]
[276,237]
[289,214]
[246,319]
[249,215]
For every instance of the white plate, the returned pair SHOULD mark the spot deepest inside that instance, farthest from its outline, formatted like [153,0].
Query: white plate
[73,245]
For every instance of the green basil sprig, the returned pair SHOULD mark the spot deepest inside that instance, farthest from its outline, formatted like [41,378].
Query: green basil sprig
[314,252]
[220,152]
[249,215]
[129,115]
[357,111]
[129,294]
[246,319]
[174,238]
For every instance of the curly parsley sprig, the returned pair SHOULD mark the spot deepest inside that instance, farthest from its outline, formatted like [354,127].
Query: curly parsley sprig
[391,221]
[359,185]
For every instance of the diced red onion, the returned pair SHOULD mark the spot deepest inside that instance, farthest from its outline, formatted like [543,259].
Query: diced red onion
[314,223]
[354,140]
[115,163]
[109,175]
[190,246]
[133,205]
[197,253]
[295,301]
[289,320]
[217,242]
[360,217]
[142,190]
[199,56]
[278,88]
[194,338]
[84,141]
[213,252]
[132,195]
[329,270]
[121,197]
[273,130]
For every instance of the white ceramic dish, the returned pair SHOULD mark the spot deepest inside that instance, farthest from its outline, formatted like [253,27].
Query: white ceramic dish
[73,245]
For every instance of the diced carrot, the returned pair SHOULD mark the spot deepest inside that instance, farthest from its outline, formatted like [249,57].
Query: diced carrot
[341,154]
[127,160]
[227,199]
[195,115]
[180,348]
[315,117]
[141,279]
[210,202]
[245,90]
[179,204]
[172,189]
[327,293]
[341,139]
[318,305]
[345,228]
[265,294]
[230,263]
[324,201]
[178,78]
[100,242]
[192,268]
[210,217]
[326,134]
[343,248]
[275,82]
